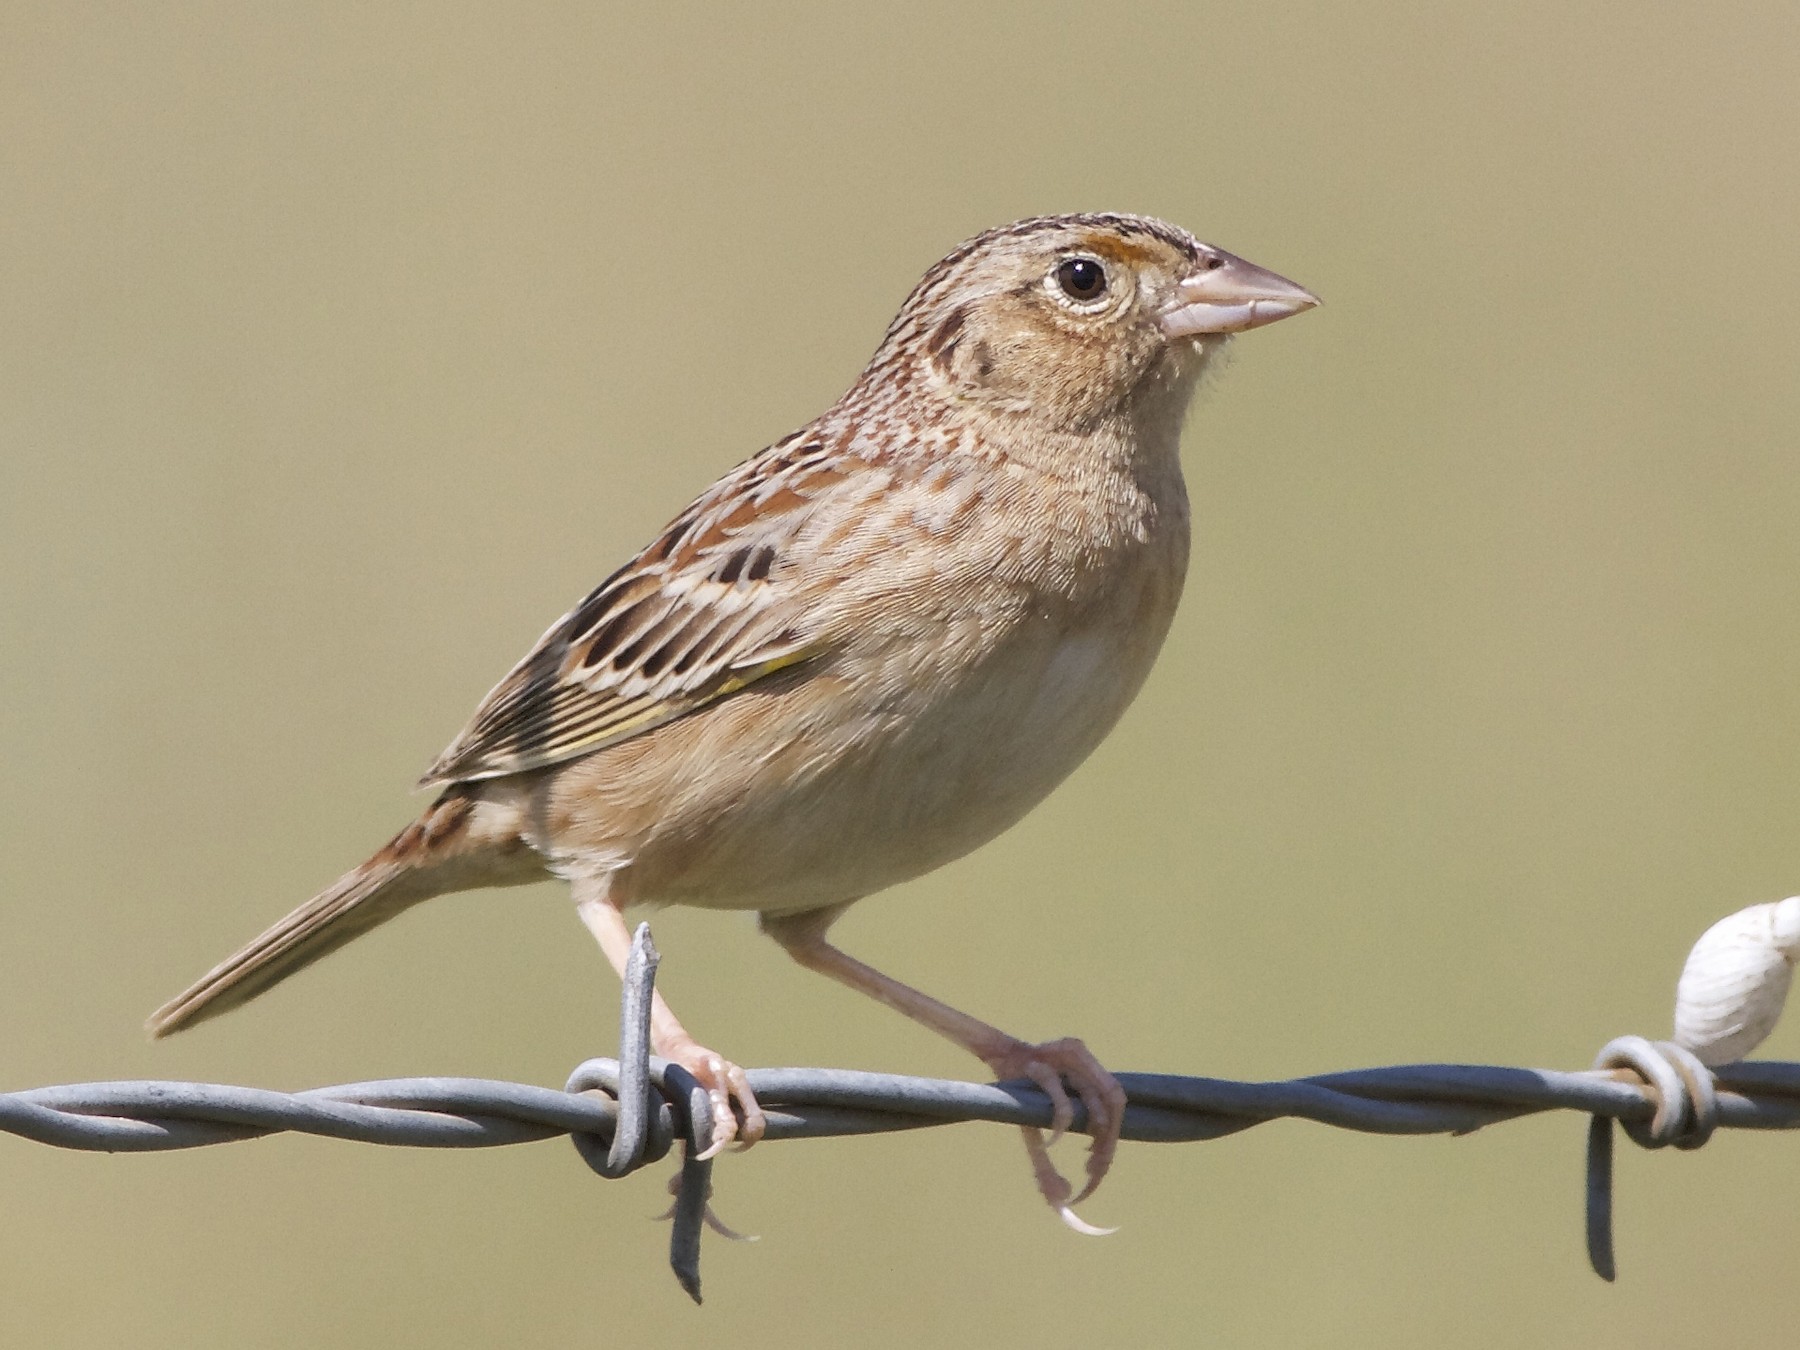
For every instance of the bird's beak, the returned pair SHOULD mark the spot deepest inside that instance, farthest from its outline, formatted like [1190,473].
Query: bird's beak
[1228,295]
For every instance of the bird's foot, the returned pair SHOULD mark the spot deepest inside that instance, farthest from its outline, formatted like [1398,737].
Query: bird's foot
[1048,1065]
[726,1088]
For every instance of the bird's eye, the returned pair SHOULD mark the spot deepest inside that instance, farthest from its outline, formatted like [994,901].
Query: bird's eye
[1082,279]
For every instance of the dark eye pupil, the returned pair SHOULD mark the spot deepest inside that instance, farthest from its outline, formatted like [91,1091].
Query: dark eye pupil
[1082,278]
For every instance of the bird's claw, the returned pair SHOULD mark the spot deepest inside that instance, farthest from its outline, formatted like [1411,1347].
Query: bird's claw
[726,1087]
[1102,1099]
[1062,1110]
[713,1221]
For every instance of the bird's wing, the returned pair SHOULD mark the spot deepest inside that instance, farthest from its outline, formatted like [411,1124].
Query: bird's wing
[712,606]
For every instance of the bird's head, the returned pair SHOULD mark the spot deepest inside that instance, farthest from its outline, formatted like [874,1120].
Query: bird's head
[1068,319]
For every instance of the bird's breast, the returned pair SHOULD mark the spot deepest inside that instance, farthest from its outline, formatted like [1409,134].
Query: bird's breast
[902,754]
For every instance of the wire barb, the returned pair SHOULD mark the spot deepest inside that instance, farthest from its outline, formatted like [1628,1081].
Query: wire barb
[629,1079]
[1686,1114]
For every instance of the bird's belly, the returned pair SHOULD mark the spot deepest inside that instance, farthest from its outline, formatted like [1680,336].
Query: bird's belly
[903,784]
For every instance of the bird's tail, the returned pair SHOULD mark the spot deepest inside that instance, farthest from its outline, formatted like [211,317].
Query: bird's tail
[446,849]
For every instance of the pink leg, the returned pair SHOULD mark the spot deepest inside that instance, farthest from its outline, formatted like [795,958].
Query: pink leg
[803,937]
[724,1081]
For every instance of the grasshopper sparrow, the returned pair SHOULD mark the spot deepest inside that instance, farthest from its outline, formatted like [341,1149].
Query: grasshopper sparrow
[860,654]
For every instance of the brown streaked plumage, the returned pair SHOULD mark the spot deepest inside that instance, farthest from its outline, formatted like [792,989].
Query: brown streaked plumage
[863,652]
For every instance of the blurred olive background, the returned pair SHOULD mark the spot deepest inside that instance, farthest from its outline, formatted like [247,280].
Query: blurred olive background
[346,346]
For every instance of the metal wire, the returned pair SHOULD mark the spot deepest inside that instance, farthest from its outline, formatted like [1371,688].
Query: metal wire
[623,1114]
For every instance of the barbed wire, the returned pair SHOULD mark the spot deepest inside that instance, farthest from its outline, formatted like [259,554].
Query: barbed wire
[627,1112]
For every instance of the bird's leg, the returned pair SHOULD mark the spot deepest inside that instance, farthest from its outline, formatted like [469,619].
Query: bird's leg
[803,937]
[724,1081]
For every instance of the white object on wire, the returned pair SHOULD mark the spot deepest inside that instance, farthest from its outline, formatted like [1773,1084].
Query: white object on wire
[1735,982]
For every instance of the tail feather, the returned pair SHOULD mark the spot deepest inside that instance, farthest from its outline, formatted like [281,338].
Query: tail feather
[427,858]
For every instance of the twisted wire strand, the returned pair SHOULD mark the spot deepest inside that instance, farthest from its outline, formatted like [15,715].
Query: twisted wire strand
[144,1116]
[623,1114]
